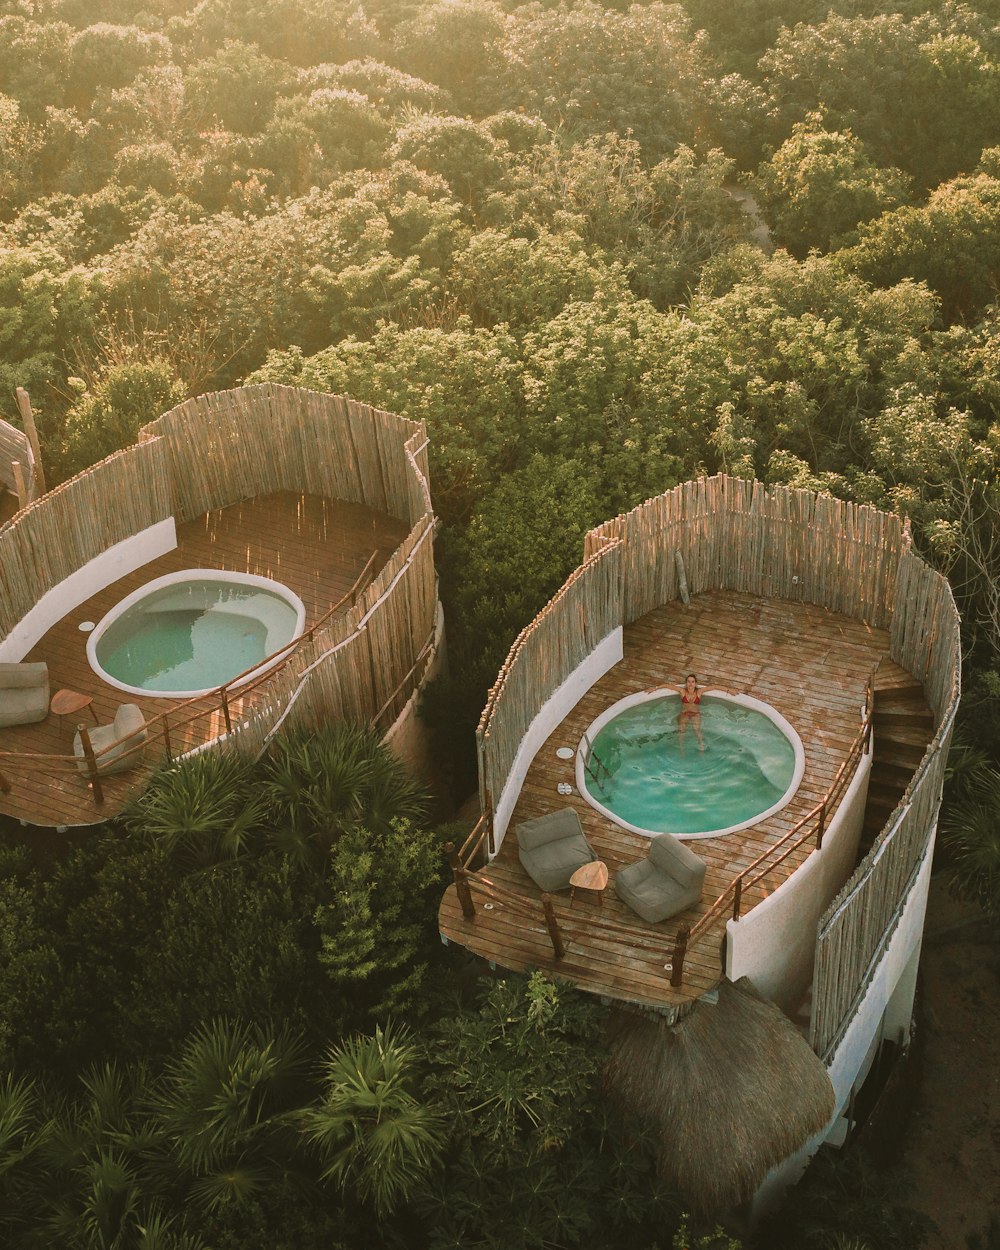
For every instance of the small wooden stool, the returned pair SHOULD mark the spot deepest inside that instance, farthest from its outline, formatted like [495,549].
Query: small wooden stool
[593,877]
[66,702]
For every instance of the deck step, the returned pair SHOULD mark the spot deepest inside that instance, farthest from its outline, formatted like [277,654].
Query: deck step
[901,754]
[897,729]
[901,699]
[904,684]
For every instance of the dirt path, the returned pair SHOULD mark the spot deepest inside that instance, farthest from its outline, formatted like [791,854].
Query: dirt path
[951,1158]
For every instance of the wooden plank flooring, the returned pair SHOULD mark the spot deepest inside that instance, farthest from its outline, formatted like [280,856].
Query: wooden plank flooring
[809,664]
[316,546]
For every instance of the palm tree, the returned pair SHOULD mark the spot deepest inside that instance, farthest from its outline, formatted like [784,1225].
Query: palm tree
[204,809]
[370,1129]
[23,1175]
[99,1150]
[224,1109]
[319,783]
[970,829]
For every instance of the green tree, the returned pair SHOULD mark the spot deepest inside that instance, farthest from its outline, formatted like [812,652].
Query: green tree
[108,415]
[225,1111]
[371,1128]
[457,46]
[236,86]
[821,185]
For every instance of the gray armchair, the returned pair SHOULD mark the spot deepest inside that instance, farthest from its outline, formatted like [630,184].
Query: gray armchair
[127,732]
[668,880]
[24,694]
[552,848]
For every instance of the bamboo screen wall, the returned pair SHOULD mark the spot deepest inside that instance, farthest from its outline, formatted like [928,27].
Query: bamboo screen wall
[858,925]
[365,664]
[738,535]
[569,627]
[788,544]
[57,534]
[231,445]
[14,445]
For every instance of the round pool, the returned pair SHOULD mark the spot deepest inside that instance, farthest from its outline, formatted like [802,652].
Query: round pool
[635,767]
[189,632]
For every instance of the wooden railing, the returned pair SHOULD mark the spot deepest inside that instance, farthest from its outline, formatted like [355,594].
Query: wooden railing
[812,826]
[169,726]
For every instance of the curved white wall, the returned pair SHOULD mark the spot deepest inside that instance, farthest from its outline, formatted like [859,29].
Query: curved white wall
[117,561]
[774,944]
[557,707]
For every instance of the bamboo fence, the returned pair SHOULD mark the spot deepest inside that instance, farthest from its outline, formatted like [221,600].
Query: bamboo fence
[858,926]
[362,663]
[233,445]
[565,632]
[57,534]
[779,543]
[15,448]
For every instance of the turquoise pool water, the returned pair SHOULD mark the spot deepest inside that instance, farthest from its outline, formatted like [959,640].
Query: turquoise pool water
[661,784]
[193,636]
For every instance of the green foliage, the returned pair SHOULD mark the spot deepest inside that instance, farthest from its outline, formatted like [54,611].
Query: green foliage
[857,68]
[820,186]
[970,828]
[537,1161]
[842,1195]
[108,415]
[202,809]
[224,1107]
[370,1127]
[376,931]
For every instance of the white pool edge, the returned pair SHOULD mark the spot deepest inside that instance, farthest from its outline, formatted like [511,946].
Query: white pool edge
[645,696]
[193,575]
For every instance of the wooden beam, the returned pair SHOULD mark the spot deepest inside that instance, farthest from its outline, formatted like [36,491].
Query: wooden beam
[20,484]
[28,417]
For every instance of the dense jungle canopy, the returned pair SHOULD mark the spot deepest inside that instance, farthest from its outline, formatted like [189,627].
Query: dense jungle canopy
[527,224]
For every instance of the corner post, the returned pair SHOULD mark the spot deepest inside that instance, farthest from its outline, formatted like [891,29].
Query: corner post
[553,926]
[92,769]
[680,951]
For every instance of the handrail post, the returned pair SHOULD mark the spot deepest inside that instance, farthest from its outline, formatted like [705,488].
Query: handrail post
[677,962]
[166,739]
[737,897]
[553,926]
[464,892]
[462,888]
[821,825]
[92,769]
[225,708]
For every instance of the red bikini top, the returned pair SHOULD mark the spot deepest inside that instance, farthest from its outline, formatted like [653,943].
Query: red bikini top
[685,699]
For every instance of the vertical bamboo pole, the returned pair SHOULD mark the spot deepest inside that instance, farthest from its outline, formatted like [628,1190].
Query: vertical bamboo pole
[28,417]
[20,484]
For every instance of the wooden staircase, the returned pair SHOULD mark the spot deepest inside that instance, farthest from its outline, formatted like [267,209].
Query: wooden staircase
[903,725]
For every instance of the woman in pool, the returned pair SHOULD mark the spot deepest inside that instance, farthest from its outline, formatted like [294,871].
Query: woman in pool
[690,713]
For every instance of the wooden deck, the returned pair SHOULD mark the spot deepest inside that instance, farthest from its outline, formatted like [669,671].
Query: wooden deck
[316,546]
[810,664]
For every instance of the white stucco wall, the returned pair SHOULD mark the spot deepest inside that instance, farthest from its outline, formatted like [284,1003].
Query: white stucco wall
[124,557]
[604,656]
[774,944]
[893,983]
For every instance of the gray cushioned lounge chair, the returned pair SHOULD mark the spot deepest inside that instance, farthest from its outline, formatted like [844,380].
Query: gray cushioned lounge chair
[127,731]
[24,694]
[552,848]
[669,879]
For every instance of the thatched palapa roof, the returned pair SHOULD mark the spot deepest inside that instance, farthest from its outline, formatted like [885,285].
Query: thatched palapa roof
[732,1089]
